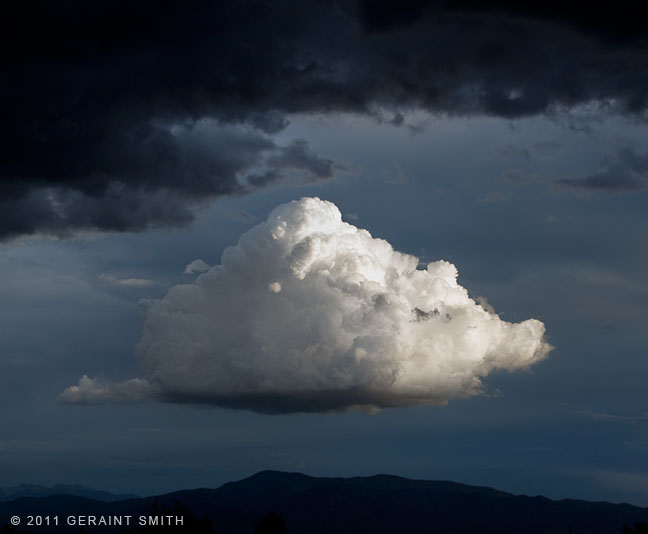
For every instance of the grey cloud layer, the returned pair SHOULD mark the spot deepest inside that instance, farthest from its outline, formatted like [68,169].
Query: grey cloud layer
[101,104]
[309,313]
[626,171]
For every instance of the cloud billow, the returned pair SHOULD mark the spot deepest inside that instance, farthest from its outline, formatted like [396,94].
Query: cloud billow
[309,313]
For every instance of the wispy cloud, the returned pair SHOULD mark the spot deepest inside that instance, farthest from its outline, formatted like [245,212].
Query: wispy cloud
[616,418]
[126,282]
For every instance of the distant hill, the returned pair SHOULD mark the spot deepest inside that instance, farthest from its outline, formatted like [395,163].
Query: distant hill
[34,490]
[378,504]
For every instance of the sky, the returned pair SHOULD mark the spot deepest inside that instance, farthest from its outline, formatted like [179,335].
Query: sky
[335,237]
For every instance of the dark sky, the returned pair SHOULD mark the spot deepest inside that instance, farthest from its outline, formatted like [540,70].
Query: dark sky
[508,140]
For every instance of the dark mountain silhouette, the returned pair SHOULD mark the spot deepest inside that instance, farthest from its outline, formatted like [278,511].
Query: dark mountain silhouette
[35,490]
[307,505]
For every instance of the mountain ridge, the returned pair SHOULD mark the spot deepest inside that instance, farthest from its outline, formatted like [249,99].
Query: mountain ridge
[379,504]
[38,490]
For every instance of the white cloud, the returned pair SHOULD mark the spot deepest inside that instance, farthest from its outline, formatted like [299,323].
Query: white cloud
[309,313]
[196,266]
[274,287]
[96,391]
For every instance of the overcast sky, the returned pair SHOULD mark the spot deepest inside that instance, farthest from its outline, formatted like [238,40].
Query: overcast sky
[506,141]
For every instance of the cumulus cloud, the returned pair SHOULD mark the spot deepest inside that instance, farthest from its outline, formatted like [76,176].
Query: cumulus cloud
[196,266]
[310,313]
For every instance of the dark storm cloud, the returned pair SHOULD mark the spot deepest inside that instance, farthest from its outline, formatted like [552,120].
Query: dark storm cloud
[619,24]
[161,180]
[103,102]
